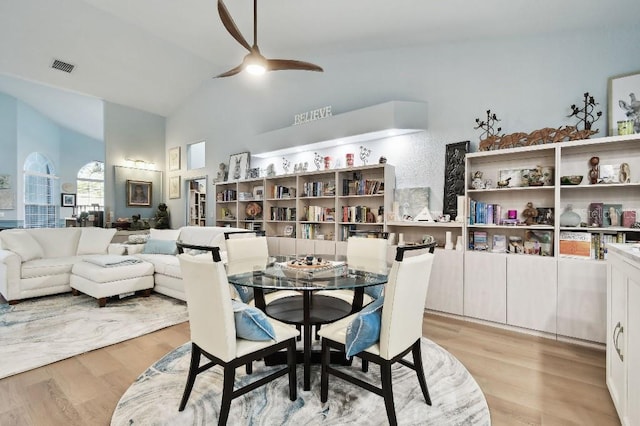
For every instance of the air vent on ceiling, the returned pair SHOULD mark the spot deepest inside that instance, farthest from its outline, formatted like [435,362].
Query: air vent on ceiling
[62,66]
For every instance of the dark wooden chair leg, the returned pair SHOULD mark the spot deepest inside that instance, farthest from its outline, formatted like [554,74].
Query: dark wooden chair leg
[146,293]
[387,392]
[227,394]
[291,362]
[324,374]
[417,362]
[102,302]
[193,372]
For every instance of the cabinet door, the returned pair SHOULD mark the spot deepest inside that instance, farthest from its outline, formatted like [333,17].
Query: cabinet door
[287,246]
[485,286]
[632,357]
[324,247]
[532,292]
[582,299]
[274,245]
[616,318]
[304,247]
[446,282]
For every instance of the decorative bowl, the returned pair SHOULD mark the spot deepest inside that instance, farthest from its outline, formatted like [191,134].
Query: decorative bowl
[571,180]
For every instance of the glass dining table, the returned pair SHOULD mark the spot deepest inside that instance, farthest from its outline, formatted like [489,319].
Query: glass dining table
[309,308]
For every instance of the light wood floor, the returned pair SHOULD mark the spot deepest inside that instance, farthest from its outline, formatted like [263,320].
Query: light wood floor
[526,380]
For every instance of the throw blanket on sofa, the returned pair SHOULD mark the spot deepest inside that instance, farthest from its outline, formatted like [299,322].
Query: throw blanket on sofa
[110,261]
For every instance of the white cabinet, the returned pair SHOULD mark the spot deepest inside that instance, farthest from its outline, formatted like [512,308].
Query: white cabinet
[582,299]
[485,286]
[532,292]
[446,282]
[623,332]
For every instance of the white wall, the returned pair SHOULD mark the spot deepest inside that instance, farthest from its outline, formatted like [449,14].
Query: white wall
[529,82]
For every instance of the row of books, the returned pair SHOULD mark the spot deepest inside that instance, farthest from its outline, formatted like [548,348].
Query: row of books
[283,213]
[605,215]
[587,245]
[360,186]
[538,243]
[309,231]
[319,189]
[278,191]
[319,214]
[485,213]
[358,214]
[227,195]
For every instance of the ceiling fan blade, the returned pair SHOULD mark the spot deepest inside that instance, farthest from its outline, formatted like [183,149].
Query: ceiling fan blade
[290,64]
[230,25]
[231,72]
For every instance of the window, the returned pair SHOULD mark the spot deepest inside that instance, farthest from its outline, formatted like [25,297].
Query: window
[40,199]
[195,155]
[91,186]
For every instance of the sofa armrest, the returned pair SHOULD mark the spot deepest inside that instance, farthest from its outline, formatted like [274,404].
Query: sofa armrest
[10,264]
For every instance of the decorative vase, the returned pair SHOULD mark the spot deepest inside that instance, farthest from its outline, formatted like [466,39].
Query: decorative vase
[449,243]
[569,217]
[400,239]
[459,246]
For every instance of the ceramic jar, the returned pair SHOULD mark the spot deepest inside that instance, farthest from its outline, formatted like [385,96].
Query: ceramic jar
[569,217]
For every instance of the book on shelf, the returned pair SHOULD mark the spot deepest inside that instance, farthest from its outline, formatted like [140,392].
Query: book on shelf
[516,246]
[594,213]
[628,218]
[480,240]
[575,244]
[499,243]
[611,215]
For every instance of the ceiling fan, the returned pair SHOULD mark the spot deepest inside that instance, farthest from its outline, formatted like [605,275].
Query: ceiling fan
[254,62]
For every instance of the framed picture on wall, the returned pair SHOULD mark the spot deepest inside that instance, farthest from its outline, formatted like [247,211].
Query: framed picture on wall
[174,187]
[238,166]
[67,200]
[624,106]
[174,158]
[138,193]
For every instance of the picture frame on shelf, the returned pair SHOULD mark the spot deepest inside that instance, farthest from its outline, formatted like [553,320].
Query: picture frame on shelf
[258,192]
[139,193]
[545,216]
[67,200]
[238,166]
[174,159]
[512,176]
[174,187]
[623,108]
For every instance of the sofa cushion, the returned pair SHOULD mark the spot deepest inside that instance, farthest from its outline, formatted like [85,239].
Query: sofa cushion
[153,246]
[95,240]
[46,267]
[164,234]
[163,263]
[57,242]
[22,243]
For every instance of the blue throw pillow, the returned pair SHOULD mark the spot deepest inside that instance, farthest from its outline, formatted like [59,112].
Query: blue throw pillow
[160,247]
[251,323]
[364,330]
[375,291]
[245,293]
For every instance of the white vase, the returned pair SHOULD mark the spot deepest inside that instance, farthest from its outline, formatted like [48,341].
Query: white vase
[400,239]
[449,243]
[459,246]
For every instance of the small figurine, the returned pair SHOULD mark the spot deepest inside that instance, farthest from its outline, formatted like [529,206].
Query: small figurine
[382,160]
[477,182]
[594,171]
[136,225]
[364,154]
[530,213]
[504,183]
[317,160]
[162,217]
[271,170]
[286,164]
[625,173]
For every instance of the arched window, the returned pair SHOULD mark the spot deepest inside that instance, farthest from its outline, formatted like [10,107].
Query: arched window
[91,186]
[40,199]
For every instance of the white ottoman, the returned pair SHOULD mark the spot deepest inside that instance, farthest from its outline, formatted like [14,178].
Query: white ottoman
[100,282]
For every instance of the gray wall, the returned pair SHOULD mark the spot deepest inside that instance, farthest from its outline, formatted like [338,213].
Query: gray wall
[529,82]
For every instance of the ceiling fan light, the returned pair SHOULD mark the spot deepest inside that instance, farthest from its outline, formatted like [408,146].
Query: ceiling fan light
[255,69]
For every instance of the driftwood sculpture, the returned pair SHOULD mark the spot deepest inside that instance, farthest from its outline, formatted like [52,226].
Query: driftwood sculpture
[537,137]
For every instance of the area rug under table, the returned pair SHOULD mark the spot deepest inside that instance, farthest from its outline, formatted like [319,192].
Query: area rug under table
[154,397]
[41,331]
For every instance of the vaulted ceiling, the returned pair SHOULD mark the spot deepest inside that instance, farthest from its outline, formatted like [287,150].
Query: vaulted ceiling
[152,54]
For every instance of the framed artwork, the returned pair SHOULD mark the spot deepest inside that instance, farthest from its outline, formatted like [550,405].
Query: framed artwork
[138,193]
[238,166]
[5,181]
[174,187]
[258,192]
[174,158]
[67,200]
[624,107]
[454,177]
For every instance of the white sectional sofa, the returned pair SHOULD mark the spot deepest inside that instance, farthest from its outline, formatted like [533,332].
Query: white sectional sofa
[38,262]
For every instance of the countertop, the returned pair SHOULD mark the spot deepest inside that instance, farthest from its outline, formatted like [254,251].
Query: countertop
[628,251]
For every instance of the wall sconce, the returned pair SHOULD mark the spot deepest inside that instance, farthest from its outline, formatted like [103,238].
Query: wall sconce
[140,164]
